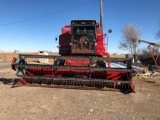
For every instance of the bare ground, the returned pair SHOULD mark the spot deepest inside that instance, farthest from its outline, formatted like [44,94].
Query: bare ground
[36,103]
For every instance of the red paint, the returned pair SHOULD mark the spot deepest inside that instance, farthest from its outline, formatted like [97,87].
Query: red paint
[74,62]
[110,75]
[12,63]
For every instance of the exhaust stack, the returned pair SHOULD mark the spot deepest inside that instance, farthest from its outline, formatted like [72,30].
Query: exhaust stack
[101,14]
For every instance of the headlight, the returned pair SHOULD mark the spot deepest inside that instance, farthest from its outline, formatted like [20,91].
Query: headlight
[59,46]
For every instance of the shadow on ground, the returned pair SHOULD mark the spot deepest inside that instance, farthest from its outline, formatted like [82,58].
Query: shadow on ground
[9,81]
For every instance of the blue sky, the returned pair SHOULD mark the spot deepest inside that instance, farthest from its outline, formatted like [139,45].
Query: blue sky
[19,31]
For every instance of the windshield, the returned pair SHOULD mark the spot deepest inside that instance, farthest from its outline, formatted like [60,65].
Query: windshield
[83,38]
[87,31]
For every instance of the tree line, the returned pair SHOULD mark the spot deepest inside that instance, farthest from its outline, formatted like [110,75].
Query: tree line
[130,37]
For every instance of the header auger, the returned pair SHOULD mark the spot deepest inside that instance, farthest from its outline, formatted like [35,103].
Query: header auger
[83,62]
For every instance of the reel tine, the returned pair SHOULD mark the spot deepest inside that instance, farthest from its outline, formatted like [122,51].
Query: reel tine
[81,82]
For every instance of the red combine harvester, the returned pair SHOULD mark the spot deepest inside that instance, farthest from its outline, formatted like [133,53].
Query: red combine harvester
[83,62]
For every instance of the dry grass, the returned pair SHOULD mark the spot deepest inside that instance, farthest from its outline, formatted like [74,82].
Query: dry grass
[7,57]
[155,79]
[117,56]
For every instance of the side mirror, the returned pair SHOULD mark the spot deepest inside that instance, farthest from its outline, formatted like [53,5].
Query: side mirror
[139,41]
[110,31]
[56,39]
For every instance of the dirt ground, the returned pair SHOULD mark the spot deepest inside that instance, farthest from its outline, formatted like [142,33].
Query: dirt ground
[36,103]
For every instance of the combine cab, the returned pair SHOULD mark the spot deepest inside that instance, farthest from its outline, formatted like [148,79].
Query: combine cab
[83,62]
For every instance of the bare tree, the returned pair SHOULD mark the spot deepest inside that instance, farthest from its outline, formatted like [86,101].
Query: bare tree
[130,39]
[158,32]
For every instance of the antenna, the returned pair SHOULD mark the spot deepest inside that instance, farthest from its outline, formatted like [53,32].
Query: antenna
[73,16]
[101,14]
